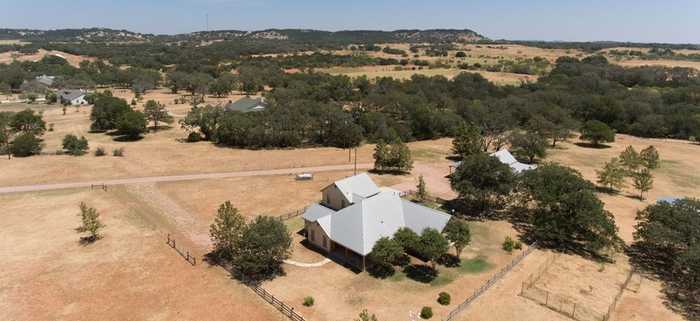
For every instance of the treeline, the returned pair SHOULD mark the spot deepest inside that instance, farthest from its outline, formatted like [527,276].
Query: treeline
[319,109]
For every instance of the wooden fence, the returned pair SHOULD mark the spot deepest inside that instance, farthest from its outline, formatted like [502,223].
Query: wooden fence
[98,186]
[291,215]
[185,254]
[279,305]
[494,278]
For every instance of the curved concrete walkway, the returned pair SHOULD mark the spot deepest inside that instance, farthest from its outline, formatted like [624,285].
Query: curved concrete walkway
[307,265]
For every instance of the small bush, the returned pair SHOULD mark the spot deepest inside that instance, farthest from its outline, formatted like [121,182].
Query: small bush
[194,137]
[508,244]
[444,298]
[518,245]
[100,151]
[118,152]
[51,127]
[308,301]
[426,313]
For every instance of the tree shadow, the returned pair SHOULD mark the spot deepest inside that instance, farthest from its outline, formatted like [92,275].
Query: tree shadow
[87,240]
[449,260]
[420,273]
[655,264]
[153,129]
[389,172]
[591,145]
[125,138]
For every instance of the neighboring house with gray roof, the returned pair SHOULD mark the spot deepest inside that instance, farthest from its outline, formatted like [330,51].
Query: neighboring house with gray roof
[73,97]
[247,104]
[355,213]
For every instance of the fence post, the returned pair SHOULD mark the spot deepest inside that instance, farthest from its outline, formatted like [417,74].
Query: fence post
[546,300]
[573,313]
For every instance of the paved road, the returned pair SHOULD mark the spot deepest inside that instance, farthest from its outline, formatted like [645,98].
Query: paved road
[174,178]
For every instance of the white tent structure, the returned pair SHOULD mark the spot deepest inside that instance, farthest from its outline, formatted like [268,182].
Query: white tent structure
[505,157]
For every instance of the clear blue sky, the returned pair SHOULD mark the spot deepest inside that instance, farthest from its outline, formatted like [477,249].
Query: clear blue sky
[676,21]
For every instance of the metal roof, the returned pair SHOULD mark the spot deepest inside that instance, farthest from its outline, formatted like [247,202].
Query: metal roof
[246,104]
[507,158]
[358,185]
[359,226]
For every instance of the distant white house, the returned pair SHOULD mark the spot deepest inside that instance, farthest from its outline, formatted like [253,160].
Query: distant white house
[75,97]
[505,157]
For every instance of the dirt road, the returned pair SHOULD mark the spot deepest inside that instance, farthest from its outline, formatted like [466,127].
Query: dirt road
[189,177]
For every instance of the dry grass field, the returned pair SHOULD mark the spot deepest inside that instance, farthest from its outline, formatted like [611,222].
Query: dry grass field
[73,60]
[48,275]
[130,274]
[500,78]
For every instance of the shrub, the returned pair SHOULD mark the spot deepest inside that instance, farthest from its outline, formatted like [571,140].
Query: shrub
[100,151]
[194,137]
[518,245]
[75,146]
[508,244]
[25,145]
[426,313]
[444,298]
[308,301]
[118,152]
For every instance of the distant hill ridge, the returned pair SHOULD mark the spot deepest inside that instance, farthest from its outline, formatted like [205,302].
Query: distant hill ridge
[299,35]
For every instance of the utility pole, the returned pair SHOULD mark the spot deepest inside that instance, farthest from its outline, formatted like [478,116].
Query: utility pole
[355,160]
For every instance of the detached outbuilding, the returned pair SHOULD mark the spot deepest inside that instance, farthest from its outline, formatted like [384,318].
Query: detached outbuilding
[355,213]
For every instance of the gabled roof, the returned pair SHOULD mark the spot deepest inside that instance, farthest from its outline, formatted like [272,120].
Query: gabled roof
[359,226]
[247,104]
[507,158]
[359,185]
[70,94]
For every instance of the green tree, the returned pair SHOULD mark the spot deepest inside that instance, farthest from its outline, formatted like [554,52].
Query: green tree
[407,239]
[421,190]
[28,121]
[667,235]
[25,144]
[90,223]
[107,111]
[566,211]
[6,132]
[156,113]
[631,160]
[457,231]
[226,231]
[384,254]
[529,144]
[132,124]
[432,245]
[642,181]
[468,141]
[264,244]
[482,179]
[650,157]
[75,146]
[597,132]
[381,155]
[612,175]
[205,119]
[51,97]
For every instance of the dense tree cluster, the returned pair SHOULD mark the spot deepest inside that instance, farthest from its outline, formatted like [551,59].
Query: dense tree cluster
[255,249]
[667,242]
[20,133]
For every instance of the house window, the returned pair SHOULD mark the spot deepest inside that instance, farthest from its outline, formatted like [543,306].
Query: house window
[342,203]
[313,236]
[325,241]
